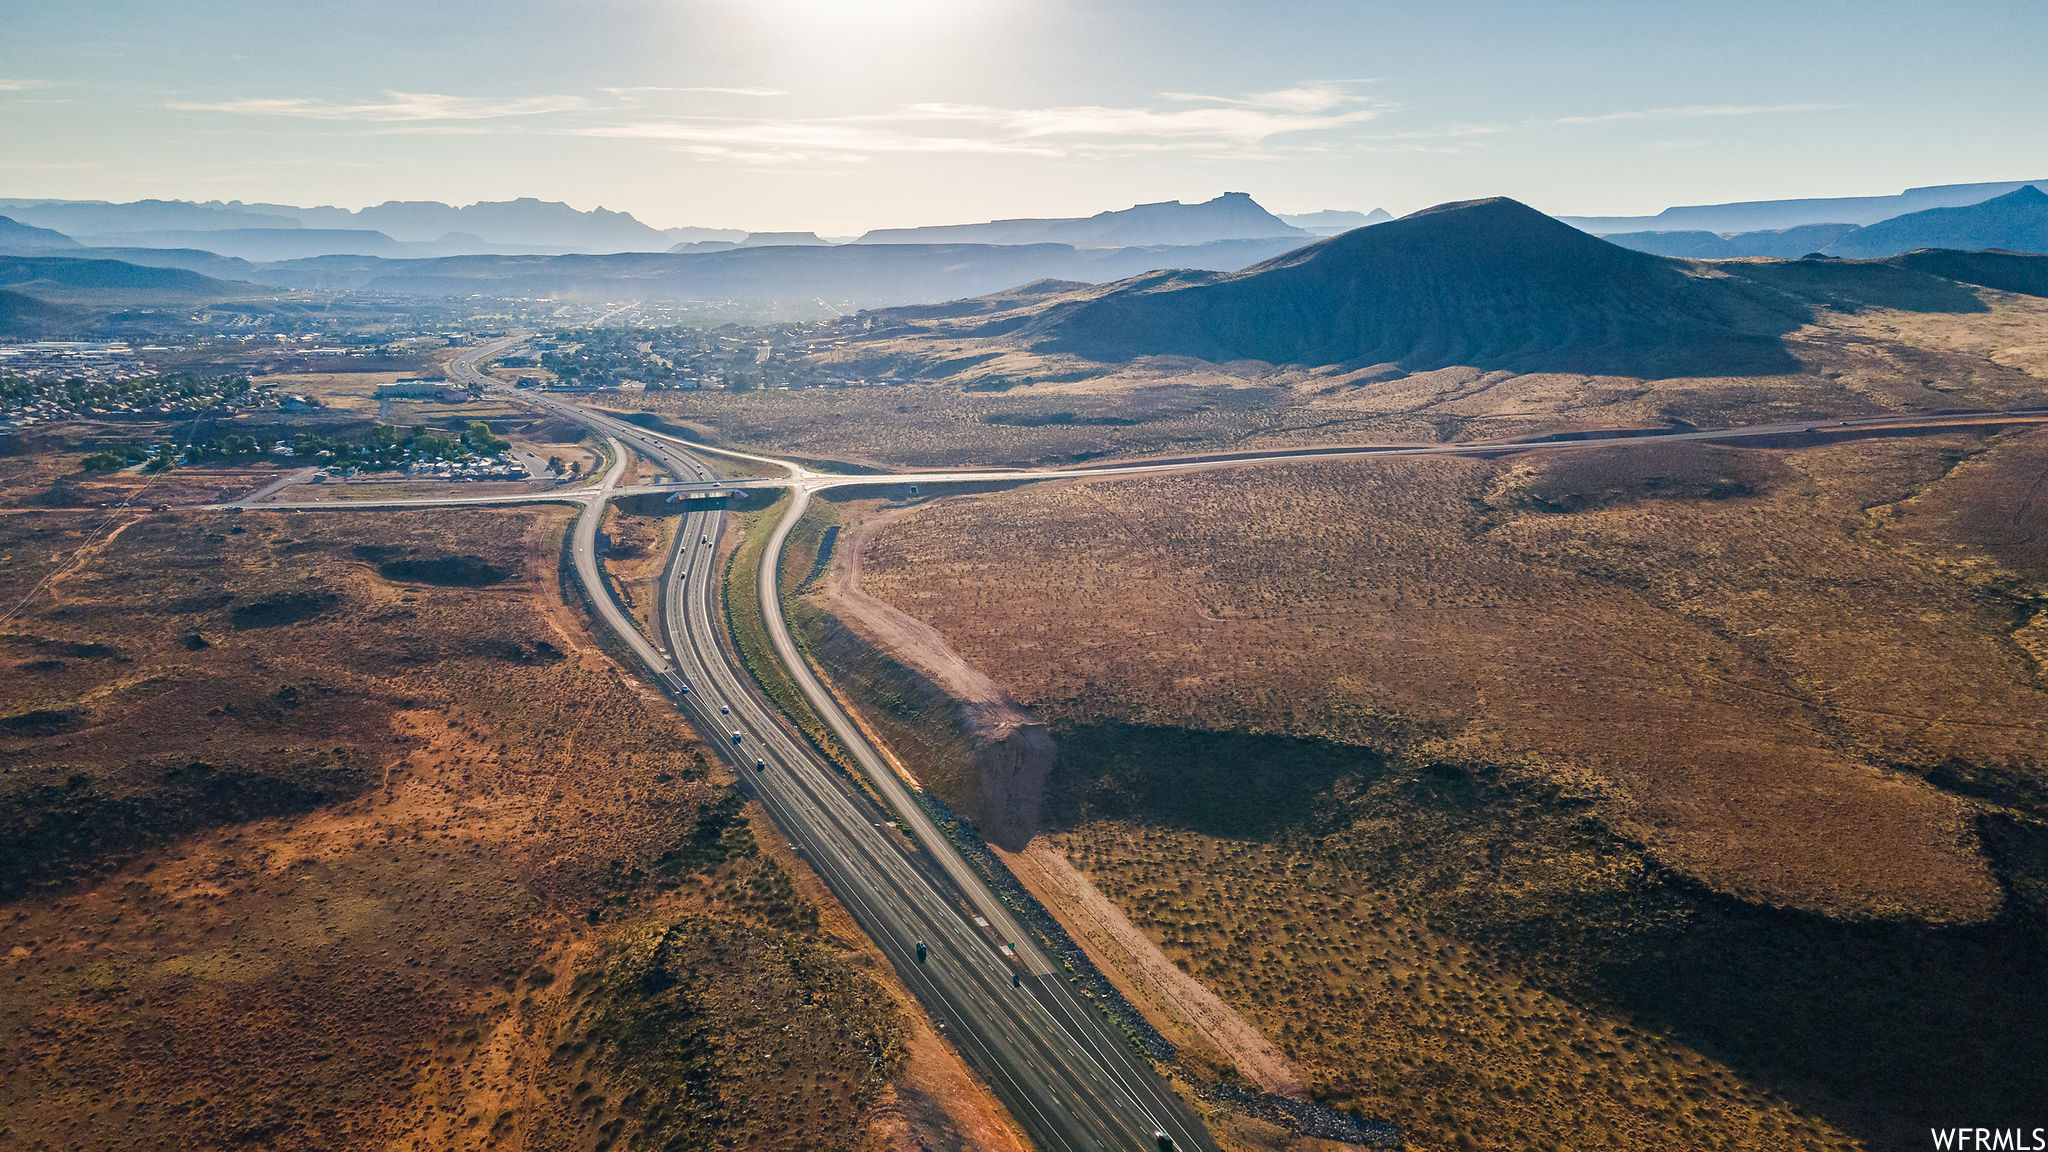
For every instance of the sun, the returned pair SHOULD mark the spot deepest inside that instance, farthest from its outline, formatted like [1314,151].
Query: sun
[858,22]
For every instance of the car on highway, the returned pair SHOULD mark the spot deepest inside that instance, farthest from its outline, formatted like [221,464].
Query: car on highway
[737,737]
[760,765]
[725,709]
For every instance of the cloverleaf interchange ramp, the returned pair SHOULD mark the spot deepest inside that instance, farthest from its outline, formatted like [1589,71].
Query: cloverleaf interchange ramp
[1066,1074]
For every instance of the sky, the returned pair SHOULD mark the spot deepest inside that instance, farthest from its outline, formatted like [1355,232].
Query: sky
[837,116]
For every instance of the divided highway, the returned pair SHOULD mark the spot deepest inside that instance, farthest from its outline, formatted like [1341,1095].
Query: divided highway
[1067,1075]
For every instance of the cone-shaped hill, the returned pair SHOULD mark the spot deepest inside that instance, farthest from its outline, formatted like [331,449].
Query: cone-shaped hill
[1489,283]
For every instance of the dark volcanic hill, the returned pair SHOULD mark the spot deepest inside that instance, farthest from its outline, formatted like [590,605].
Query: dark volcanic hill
[2016,222]
[61,295]
[1489,283]
[96,281]
[27,317]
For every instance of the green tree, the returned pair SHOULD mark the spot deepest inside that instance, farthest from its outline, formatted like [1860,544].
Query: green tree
[480,437]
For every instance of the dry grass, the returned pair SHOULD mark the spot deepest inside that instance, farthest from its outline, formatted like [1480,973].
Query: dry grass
[55,481]
[1390,1017]
[1579,799]
[1730,676]
[348,393]
[1025,408]
[303,854]
[638,541]
[406,412]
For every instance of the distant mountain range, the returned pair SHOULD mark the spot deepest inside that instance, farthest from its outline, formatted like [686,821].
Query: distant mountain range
[1489,284]
[524,221]
[1781,243]
[1231,216]
[756,240]
[523,225]
[2016,221]
[847,276]
[423,229]
[762,268]
[1334,221]
[428,229]
[777,279]
[1773,215]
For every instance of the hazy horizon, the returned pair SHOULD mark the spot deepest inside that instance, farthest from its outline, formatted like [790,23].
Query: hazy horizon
[803,115]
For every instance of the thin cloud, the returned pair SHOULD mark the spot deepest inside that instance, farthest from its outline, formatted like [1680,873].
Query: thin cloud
[1300,98]
[797,139]
[19,85]
[637,89]
[1223,125]
[396,107]
[1696,112]
[759,92]
[1236,124]
[1453,138]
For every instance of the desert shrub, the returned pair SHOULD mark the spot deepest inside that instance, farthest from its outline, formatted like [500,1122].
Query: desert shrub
[669,1007]
[1582,480]
[447,571]
[283,608]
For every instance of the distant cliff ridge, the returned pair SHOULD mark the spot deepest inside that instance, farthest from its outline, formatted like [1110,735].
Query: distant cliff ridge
[1231,216]
[1765,215]
[2015,222]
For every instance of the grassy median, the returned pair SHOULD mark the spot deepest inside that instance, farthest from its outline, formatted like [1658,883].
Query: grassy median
[749,629]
